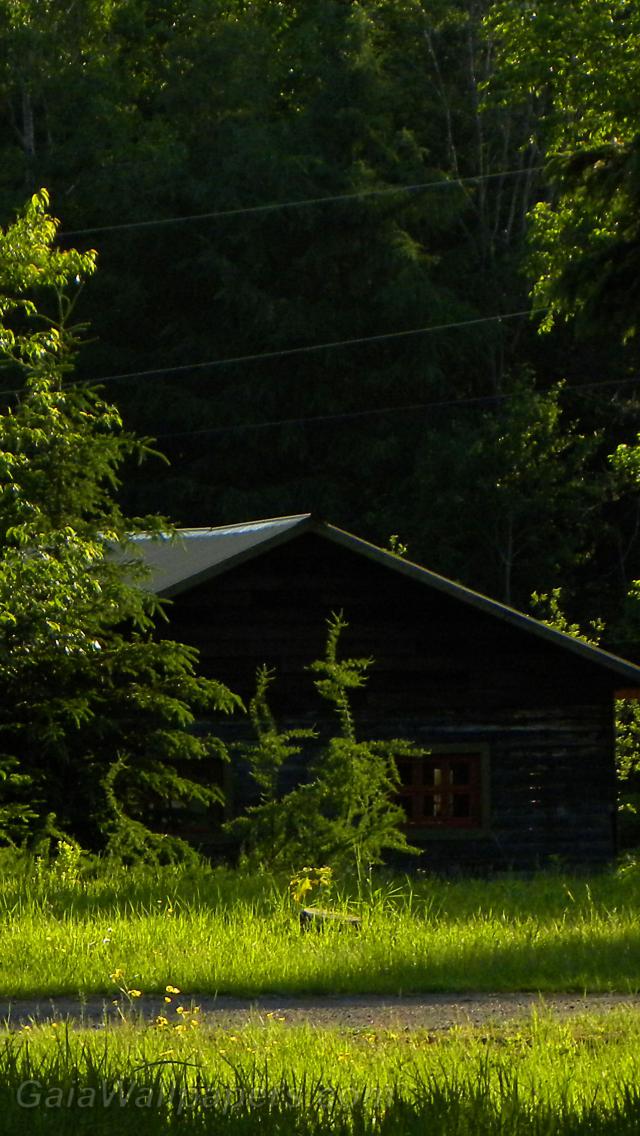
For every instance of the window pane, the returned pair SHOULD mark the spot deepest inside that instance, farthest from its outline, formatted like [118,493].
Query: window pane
[406,803]
[460,773]
[433,775]
[437,805]
[405,770]
[441,790]
[461,805]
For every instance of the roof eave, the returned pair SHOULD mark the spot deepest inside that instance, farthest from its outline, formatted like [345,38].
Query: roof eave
[302,523]
[510,615]
[307,523]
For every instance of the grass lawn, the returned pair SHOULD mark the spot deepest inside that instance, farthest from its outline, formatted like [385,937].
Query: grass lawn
[537,1077]
[81,930]
[209,931]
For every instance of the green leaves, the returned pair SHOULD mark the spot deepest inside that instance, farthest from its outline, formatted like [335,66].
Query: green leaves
[345,814]
[28,260]
[510,474]
[582,61]
[340,676]
[81,677]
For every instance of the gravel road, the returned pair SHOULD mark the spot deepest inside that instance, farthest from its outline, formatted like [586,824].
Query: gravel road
[422,1011]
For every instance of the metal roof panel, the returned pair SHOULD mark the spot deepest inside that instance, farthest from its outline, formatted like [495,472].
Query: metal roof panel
[181,561]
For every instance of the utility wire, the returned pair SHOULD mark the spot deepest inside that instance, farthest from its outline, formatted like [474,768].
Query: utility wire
[350,415]
[346,416]
[288,351]
[300,203]
[478,400]
[312,347]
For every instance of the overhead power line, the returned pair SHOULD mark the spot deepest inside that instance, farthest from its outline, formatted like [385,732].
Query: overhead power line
[289,351]
[299,203]
[345,416]
[313,347]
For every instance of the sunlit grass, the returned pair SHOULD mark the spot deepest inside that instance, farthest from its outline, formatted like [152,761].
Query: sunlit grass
[213,930]
[537,1077]
[104,930]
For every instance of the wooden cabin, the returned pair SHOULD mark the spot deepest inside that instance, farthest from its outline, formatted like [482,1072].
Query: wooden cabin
[517,718]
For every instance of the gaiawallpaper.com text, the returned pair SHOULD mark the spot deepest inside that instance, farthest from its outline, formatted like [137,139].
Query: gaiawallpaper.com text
[34,1094]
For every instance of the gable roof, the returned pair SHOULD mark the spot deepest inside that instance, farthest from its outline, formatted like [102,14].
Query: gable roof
[195,555]
[178,564]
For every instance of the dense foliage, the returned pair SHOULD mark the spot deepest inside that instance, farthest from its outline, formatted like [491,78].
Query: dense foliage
[321,229]
[345,813]
[94,712]
[581,61]
[137,115]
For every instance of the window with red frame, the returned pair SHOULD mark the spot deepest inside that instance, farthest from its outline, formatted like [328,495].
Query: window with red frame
[441,790]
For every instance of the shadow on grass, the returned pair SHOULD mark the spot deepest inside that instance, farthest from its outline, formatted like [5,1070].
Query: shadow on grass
[569,963]
[434,1112]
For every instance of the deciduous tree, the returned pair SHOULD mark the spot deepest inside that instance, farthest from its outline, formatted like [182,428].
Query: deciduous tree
[95,713]
[580,60]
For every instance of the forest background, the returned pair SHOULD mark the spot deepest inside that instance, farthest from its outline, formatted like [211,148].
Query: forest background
[432,173]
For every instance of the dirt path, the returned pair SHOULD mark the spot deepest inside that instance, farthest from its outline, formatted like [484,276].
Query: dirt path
[422,1011]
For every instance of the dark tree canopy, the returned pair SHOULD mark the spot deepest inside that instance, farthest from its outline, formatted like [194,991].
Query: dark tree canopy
[430,127]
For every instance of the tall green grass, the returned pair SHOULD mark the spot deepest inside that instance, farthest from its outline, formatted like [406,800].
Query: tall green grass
[538,1078]
[217,931]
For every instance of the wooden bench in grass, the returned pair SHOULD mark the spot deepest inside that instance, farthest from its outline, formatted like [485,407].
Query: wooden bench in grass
[316,919]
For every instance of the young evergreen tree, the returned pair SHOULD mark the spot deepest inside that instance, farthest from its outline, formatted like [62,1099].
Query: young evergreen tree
[347,814]
[95,714]
[270,829]
[357,782]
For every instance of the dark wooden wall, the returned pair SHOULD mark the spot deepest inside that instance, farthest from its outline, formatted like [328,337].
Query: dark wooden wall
[444,673]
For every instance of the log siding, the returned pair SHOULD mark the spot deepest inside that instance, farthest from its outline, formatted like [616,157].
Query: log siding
[444,675]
